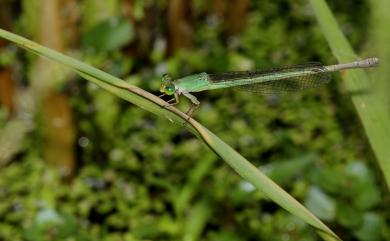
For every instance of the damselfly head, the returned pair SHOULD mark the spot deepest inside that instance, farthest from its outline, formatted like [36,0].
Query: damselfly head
[167,85]
[166,79]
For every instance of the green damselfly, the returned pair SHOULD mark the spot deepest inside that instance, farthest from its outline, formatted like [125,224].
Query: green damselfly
[275,80]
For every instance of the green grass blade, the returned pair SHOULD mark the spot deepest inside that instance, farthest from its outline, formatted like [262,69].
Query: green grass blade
[155,105]
[371,108]
[379,44]
[197,220]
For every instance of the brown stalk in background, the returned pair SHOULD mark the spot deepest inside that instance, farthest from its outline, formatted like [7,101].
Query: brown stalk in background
[56,118]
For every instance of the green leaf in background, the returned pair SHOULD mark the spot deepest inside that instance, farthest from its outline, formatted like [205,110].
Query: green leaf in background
[321,204]
[348,215]
[328,178]
[367,198]
[355,180]
[109,35]
[197,219]
[371,229]
[365,194]
[283,172]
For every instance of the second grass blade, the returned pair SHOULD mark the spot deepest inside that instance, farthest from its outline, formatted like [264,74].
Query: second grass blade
[371,108]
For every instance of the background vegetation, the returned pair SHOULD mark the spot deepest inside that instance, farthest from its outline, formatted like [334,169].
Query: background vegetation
[77,163]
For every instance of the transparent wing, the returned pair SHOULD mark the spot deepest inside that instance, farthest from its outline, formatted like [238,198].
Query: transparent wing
[276,80]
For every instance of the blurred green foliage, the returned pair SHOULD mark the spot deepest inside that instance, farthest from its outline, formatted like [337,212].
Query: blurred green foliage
[142,178]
